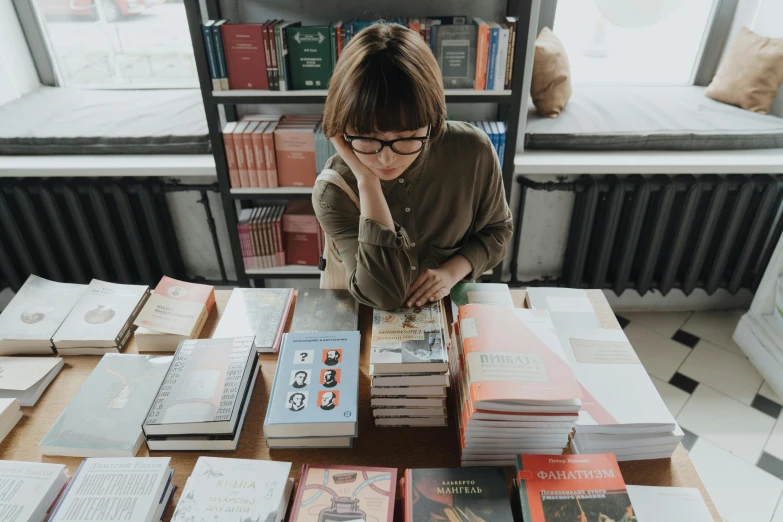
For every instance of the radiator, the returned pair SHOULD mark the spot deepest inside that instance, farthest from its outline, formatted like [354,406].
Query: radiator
[73,230]
[663,232]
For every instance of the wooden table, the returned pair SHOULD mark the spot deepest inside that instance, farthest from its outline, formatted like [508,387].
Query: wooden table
[400,447]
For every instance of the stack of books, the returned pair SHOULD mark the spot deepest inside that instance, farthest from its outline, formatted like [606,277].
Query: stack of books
[325,311]
[409,366]
[233,486]
[257,312]
[109,489]
[516,390]
[104,418]
[31,319]
[31,489]
[10,414]
[623,412]
[314,394]
[175,311]
[26,378]
[496,131]
[202,403]
[101,321]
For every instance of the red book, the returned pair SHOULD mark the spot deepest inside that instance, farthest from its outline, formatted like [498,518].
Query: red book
[250,157]
[482,54]
[295,145]
[301,229]
[239,152]
[269,154]
[571,487]
[245,60]
[258,151]
[231,157]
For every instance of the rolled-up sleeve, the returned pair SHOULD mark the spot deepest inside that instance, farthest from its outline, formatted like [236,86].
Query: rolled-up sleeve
[377,263]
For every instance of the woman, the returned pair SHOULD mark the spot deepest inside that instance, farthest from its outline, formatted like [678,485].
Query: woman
[432,205]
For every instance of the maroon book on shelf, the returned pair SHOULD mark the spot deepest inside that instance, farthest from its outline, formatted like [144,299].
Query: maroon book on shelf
[243,45]
[301,229]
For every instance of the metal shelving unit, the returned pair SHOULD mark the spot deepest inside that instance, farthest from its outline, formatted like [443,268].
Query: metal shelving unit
[508,101]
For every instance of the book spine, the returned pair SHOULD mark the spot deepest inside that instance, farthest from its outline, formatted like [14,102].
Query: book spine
[339,39]
[217,39]
[281,79]
[502,148]
[512,38]
[271,160]
[481,57]
[273,53]
[500,62]
[333,45]
[492,57]
[268,56]
[206,32]
[280,247]
[231,160]
[265,246]
[250,161]
[343,37]
[256,240]
[244,243]
[243,46]
[239,150]
[286,62]
[258,152]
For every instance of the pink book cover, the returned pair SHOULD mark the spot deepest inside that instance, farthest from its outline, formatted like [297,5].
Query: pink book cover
[239,150]
[253,231]
[283,321]
[175,307]
[295,156]
[231,158]
[258,151]
[269,154]
[250,156]
[242,231]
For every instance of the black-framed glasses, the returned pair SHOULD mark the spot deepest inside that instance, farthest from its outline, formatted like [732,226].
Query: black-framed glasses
[403,146]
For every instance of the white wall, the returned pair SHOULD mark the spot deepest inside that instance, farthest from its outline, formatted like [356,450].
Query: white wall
[17,70]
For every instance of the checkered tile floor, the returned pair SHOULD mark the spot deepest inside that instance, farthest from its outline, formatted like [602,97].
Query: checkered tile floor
[731,418]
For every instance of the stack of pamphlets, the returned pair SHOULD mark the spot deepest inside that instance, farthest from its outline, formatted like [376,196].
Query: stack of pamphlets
[314,395]
[175,311]
[220,488]
[202,402]
[325,311]
[30,490]
[258,312]
[117,489]
[409,366]
[26,378]
[31,319]
[623,412]
[101,321]
[668,504]
[10,414]
[516,391]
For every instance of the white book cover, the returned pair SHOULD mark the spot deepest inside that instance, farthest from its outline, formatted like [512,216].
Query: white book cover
[22,373]
[668,504]
[38,309]
[218,487]
[28,489]
[115,489]
[617,389]
[102,312]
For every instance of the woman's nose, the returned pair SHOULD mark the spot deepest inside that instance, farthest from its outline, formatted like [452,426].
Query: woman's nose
[387,156]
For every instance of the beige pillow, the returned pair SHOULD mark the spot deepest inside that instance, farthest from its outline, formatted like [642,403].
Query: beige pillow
[550,87]
[751,72]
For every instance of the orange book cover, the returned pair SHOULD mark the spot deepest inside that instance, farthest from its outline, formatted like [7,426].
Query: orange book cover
[176,307]
[482,53]
[239,151]
[295,156]
[578,488]
[506,360]
[269,154]
[231,158]
[258,152]
[250,157]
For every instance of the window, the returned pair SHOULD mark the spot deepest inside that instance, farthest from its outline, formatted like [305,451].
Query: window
[118,43]
[642,42]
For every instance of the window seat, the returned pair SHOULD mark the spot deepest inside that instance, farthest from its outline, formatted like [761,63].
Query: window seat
[61,121]
[632,118]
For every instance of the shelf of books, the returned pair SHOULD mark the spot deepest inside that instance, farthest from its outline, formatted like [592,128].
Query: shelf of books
[278,192]
[319,96]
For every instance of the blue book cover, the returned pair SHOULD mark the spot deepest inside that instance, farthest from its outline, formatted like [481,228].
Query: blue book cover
[206,30]
[217,40]
[488,129]
[501,130]
[315,391]
[494,36]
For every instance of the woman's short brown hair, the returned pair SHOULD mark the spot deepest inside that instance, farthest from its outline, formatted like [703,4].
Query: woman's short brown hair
[387,80]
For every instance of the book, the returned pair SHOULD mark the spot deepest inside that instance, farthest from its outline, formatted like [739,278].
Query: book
[26,378]
[260,312]
[241,489]
[102,318]
[568,487]
[411,422]
[456,494]
[481,293]
[409,391]
[409,340]
[455,50]
[250,156]
[325,311]
[269,154]
[203,388]
[246,63]
[231,158]
[33,316]
[482,54]
[257,137]
[239,152]
[494,36]
[30,489]
[511,22]
[316,386]
[109,488]
[177,307]
[217,38]
[301,231]
[309,57]
[668,503]
[430,379]
[295,150]
[104,417]
[342,493]
[209,45]
[10,414]
[502,56]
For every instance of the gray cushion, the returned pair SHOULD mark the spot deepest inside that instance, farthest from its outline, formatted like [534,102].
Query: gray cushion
[651,118]
[52,120]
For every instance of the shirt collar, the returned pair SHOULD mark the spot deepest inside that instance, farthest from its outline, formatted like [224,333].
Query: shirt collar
[413,171]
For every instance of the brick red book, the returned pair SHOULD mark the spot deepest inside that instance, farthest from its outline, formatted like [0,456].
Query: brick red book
[245,59]
[258,151]
[295,145]
[270,155]
[250,157]
[300,228]
[239,152]
[231,157]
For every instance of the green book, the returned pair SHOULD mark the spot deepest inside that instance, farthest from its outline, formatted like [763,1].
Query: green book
[310,57]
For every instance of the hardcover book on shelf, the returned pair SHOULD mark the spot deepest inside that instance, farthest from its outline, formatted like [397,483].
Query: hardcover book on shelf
[478,494]
[204,387]
[260,312]
[344,493]
[325,311]
[302,231]
[31,319]
[243,45]
[571,487]
[309,57]
[30,489]
[106,488]
[102,318]
[668,504]
[26,378]
[455,50]
[10,414]
[295,151]
[224,489]
[104,418]
[316,386]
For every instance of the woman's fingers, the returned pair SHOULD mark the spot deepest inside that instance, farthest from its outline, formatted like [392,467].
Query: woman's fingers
[417,297]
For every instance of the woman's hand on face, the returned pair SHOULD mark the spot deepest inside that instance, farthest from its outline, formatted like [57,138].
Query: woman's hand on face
[432,285]
[349,156]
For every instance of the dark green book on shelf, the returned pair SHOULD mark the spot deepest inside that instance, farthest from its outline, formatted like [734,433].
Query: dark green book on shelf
[455,49]
[310,57]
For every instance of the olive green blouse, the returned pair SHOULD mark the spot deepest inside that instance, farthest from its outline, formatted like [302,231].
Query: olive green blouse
[449,201]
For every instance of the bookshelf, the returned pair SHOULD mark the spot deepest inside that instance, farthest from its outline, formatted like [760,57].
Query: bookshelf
[508,109]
